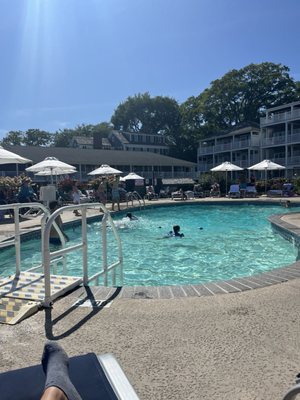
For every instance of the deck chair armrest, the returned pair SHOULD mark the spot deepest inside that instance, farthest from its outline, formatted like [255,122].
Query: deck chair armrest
[116,377]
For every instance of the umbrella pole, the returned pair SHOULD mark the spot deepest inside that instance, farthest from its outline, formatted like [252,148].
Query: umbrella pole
[265,181]
[226,191]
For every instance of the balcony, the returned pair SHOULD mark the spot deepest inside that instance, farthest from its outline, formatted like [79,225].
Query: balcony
[219,148]
[294,160]
[280,117]
[205,150]
[274,141]
[223,147]
[294,137]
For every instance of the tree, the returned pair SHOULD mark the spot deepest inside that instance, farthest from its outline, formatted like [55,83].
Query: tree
[243,95]
[13,138]
[36,137]
[142,113]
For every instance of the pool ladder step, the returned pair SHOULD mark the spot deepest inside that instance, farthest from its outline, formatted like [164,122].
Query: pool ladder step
[22,295]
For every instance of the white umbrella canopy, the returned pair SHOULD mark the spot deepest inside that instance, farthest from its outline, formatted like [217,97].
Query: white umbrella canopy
[132,175]
[56,171]
[50,164]
[266,165]
[226,166]
[105,170]
[8,157]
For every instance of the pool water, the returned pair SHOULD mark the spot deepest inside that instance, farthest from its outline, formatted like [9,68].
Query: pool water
[220,242]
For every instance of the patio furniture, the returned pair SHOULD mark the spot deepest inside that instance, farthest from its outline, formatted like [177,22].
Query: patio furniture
[94,377]
[251,191]
[234,191]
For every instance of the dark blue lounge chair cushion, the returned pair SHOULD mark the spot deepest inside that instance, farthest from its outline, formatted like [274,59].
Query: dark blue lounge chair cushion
[86,375]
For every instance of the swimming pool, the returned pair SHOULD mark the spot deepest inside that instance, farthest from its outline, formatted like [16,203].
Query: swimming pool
[235,241]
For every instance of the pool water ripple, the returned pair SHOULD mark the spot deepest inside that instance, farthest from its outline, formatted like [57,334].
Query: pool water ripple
[221,242]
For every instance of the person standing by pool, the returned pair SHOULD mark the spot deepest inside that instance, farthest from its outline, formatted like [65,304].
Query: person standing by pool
[115,195]
[101,191]
[76,199]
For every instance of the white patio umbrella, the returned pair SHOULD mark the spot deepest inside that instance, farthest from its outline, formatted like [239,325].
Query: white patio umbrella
[56,171]
[266,165]
[226,166]
[50,164]
[133,175]
[8,157]
[105,170]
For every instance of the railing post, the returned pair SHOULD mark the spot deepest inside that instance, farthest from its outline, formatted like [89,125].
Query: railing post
[17,240]
[84,247]
[46,266]
[104,249]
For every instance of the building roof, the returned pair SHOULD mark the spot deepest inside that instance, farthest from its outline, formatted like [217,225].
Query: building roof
[97,157]
[120,136]
[83,140]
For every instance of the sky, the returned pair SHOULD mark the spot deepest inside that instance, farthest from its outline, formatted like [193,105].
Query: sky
[70,62]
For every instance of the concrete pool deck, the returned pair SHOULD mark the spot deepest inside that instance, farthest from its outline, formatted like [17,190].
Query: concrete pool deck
[244,345]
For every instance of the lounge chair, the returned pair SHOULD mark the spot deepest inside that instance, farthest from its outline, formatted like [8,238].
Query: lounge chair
[94,377]
[234,191]
[251,191]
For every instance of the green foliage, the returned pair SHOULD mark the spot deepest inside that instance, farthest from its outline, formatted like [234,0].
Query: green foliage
[241,96]
[31,137]
[13,138]
[36,137]
[142,113]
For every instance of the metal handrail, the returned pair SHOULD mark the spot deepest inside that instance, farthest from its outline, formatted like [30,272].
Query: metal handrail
[16,240]
[131,196]
[48,256]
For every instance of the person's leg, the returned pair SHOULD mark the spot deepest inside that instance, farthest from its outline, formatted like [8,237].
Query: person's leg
[58,385]
[53,393]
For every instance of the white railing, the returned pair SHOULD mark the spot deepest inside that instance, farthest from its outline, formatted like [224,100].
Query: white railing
[280,117]
[106,269]
[55,257]
[16,240]
[273,141]
[134,196]
[294,137]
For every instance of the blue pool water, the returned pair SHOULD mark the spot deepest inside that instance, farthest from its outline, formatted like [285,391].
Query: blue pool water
[234,241]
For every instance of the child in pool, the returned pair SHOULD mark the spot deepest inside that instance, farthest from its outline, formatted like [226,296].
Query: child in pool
[176,232]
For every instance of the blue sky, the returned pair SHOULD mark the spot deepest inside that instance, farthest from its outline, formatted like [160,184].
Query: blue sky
[67,62]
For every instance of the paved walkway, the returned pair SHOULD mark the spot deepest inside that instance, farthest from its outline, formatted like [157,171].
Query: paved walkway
[242,346]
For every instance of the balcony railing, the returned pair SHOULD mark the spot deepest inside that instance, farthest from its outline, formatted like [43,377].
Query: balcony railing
[280,117]
[295,137]
[293,160]
[219,148]
[273,141]
[206,150]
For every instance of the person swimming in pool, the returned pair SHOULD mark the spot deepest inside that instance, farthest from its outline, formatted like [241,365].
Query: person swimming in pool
[131,217]
[175,232]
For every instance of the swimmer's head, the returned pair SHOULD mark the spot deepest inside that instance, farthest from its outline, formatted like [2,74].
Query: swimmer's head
[129,215]
[176,228]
